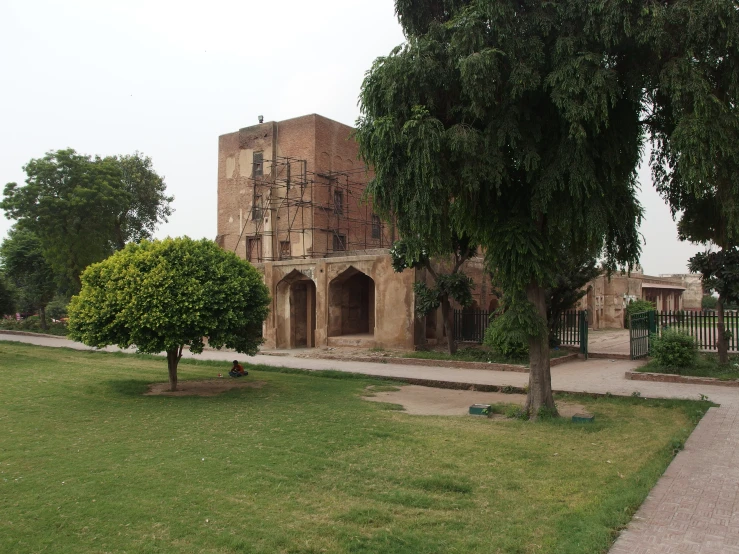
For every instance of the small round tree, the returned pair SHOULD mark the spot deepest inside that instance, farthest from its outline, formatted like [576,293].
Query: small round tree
[161,296]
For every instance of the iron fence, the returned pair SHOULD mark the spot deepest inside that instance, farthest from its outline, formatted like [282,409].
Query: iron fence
[703,326]
[470,325]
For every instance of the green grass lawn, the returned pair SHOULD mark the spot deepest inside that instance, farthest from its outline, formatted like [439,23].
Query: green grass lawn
[303,465]
[706,366]
[479,354]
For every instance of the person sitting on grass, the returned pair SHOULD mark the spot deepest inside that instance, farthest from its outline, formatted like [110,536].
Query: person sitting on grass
[237,370]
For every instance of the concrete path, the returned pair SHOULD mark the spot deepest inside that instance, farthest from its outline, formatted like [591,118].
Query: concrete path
[695,506]
[609,341]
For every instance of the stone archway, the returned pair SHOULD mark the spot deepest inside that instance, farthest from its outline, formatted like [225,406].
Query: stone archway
[351,304]
[295,311]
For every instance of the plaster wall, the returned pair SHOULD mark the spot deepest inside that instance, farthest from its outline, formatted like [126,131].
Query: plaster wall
[391,323]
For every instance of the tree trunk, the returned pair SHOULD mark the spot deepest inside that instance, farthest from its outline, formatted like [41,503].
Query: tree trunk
[42,317]
[540,377]
[173,358]
[447,315]
[721,343]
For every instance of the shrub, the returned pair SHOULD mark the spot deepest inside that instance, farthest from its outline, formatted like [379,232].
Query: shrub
[57,308]
[506,341]
[709,302]
[636,307]
[674,349]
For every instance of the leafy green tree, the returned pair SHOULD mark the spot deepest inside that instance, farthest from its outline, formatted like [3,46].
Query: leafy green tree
[576,270]
[24,262]
[709,302]
[694,123]
[518,124]
[720,273]
[450,283]
[161,296]
[7,298]
[707,219]
[148,204]
[83,208]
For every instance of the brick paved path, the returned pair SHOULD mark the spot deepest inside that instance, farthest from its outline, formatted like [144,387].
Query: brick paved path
[694,508]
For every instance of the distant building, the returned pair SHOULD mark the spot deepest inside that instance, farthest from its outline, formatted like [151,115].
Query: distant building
[693,294]
[607,298]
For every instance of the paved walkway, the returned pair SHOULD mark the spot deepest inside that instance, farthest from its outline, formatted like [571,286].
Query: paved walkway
[609,341]
[695,506]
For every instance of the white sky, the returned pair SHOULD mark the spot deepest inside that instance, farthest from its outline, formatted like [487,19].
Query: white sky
[167,78]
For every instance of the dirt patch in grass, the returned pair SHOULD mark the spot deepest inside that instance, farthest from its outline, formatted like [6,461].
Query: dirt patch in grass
[211,387]
[419,400]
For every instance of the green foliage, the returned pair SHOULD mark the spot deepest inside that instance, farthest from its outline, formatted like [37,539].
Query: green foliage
[708,302]
[7,298]
[57,308]
[162,295]
[83,208]
[521,127]
[673,349]
[514,411]
[23,261]
[33,324]
[407,253]
[706,365]
[147,202]
[636,307]
[576,269]
[506,338]
[719,271]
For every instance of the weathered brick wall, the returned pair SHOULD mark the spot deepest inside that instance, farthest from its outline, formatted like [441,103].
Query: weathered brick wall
[296,195]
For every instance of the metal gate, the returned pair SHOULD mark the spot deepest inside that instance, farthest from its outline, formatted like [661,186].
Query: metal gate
[641,325]
[572,329]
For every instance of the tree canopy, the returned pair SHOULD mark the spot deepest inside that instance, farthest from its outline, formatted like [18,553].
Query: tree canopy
[518,124]
[83,208]
[522,124]
[23,261]
[161,296]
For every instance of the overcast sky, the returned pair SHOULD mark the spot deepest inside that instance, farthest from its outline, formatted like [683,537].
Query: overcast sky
[167,78]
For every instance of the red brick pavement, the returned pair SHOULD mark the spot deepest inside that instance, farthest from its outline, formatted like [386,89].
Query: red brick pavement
[694,508]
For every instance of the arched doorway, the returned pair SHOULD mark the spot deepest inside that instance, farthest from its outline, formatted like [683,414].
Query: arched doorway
[296,311]
[351,304]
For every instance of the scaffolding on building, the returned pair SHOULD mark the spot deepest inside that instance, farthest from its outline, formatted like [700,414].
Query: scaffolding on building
[293,213]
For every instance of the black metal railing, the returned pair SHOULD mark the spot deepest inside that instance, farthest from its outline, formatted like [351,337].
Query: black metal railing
[470,325]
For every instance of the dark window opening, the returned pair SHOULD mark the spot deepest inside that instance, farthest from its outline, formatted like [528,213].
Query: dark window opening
[258,169]
[256,208]
[339,242]
[285,249]
[338,202]
[254,249]
[376,226]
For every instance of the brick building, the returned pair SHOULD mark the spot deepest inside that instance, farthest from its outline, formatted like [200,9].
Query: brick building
[291,201]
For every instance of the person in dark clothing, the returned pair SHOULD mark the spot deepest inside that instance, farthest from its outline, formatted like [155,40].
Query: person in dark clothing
[238,370]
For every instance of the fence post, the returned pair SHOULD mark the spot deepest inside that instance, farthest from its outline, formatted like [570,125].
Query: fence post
[584,333]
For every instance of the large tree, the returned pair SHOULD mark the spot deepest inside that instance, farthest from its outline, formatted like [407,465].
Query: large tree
[694,120]
[164,295]
[148,204]
[7,298]
[517,123]
[83,208]
[23,261]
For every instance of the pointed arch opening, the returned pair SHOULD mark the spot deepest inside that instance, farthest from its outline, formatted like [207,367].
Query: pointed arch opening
[296,311]
[351,304]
